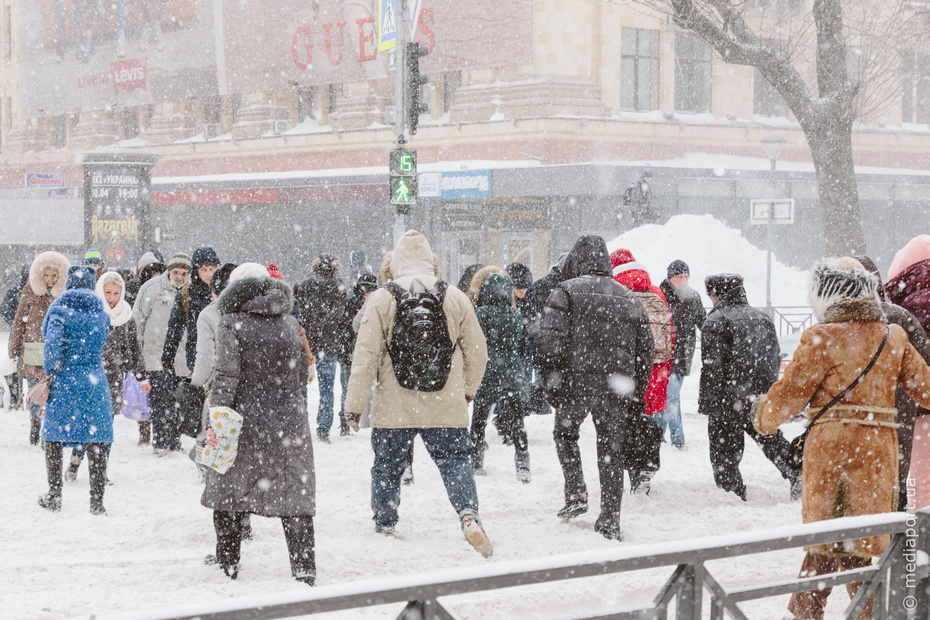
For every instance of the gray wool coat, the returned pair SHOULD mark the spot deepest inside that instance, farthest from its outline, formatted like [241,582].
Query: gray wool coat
[261,366]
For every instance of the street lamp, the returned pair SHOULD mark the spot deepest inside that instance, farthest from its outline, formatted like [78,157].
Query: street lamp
[772,146]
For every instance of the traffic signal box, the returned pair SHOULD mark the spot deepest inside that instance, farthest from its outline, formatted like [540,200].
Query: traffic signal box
[414,107]
[403,169]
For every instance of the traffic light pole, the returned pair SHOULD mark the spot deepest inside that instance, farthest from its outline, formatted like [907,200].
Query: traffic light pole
[400,218]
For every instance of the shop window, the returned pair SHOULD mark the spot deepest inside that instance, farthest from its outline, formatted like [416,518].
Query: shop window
[306,103]
[639,69]
[692,73]
[335,95]
[915,98]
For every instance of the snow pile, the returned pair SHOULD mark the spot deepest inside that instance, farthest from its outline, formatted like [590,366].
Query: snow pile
[709,247]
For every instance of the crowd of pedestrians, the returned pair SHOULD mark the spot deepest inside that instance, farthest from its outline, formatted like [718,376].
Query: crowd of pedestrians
[595,337]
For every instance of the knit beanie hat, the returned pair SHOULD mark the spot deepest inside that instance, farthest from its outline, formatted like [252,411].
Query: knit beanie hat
[622,260]
[220,278]
[180,261]
[81,276]
[93,257]
[677,268]
[273,272]
[203,256]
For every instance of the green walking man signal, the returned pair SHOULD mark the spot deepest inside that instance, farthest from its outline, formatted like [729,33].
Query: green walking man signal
[403,169]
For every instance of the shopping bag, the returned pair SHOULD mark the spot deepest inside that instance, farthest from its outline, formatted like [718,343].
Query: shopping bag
[226,425]
[190,407]
[135,401]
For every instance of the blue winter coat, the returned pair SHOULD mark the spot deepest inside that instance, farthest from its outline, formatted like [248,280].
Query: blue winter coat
[79,409]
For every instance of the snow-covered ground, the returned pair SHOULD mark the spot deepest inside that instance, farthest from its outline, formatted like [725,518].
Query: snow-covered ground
[149,551]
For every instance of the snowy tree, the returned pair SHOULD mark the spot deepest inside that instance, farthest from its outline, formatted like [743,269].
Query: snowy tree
[826,83]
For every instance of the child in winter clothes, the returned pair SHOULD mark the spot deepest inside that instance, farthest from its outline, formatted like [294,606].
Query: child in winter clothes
[504,379]
[121,351]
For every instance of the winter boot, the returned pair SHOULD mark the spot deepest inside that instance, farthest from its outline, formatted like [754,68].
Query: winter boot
[35,430]
[573,508]
[344,430]
[73,466]
[245,525]
[608,528]
[97,467]
[16,391]
[522,461]
[407,478]
[52,500]
[641,482]
[474,534]
[145,433]
[477,457]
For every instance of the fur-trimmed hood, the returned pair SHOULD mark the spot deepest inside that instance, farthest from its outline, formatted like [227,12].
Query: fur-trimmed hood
[477,281]
[49,260]
[257,295]
[842,288]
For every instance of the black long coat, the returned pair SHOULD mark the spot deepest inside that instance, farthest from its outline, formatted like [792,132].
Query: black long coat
[740,355]
[319,302]
[593,333]
[261,366]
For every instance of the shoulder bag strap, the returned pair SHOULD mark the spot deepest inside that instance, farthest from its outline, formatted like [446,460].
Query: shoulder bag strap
[852,385]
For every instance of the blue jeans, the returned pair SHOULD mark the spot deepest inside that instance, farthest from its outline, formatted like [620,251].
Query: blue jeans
[450,449]
[345,371]
[326,376]
[671,417]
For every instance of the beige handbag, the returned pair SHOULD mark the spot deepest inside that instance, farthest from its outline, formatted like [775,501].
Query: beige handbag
[38,394]
[32,353]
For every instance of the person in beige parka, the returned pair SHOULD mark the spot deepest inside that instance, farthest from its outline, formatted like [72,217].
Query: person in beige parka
[851,454]
[399,414]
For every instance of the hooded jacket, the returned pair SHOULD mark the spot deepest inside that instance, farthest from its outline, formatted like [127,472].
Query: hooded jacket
[319,302]
[260,369]
[412,265]
[152,311]
[502,324]
[594,337]
[34,302]
[79,409]
[851,452]
[121,351]
[739,351]
[11,298]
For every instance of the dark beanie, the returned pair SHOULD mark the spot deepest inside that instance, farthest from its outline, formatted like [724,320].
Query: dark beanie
[722,283]
[678,267]
[220,278]
[81,276]
[203,256]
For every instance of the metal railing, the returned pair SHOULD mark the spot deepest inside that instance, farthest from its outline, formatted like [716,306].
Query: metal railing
[899,581]
[792,319]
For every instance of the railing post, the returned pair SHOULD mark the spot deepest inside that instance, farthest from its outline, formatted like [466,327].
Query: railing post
[689,596]
[920,574]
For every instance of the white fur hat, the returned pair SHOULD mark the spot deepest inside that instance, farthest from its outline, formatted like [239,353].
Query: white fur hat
[248,270]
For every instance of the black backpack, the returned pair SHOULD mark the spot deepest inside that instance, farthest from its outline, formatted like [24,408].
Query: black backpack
[420,348]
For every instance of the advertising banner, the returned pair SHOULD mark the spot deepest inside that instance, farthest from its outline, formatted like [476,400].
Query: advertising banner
[90,54]
[268,45]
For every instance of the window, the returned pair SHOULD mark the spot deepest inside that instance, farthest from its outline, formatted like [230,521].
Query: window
[692,73]
[916,89]
[451,80]
[306,101]
[767,101]
[639,69]
[335,94]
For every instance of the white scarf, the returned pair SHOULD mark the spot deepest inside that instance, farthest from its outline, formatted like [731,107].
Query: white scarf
[121,314]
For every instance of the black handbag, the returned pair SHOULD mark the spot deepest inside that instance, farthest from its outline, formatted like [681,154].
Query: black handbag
[190,400]
[796,447]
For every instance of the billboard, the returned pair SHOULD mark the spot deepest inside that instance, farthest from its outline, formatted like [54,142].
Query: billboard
[268,45]
[90,54]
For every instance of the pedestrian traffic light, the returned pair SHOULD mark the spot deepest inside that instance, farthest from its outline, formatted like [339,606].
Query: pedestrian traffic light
[403,169]
[414,106]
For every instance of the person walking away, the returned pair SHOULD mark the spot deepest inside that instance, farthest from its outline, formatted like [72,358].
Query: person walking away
[504,380]
[644,433]
[260,371]
[435,405]
[525,292]
[850,455]
[152,311]
[121,352]
[908,410]
[8,311]
[79,410]
[592,332]
[319,302]
[365,284]
[48,276]
[909,287]
[688,314]
[741,359]
[150,264]
[546,284]
[638,200]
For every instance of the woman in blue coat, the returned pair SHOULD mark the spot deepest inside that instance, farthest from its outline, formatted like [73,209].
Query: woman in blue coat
[79,409]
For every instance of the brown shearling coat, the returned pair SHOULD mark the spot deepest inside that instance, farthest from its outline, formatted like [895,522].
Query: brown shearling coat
[850,456]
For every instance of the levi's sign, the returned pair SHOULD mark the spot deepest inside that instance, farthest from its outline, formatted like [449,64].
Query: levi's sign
[128,75]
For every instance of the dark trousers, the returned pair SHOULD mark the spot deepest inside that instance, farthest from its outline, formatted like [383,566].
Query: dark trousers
[298,533]
[511,415]
[608,414]
[641,443]
[165,434]
[726,434]
[97,465]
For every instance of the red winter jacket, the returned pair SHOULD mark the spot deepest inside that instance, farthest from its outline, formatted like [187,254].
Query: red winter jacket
[631,274]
